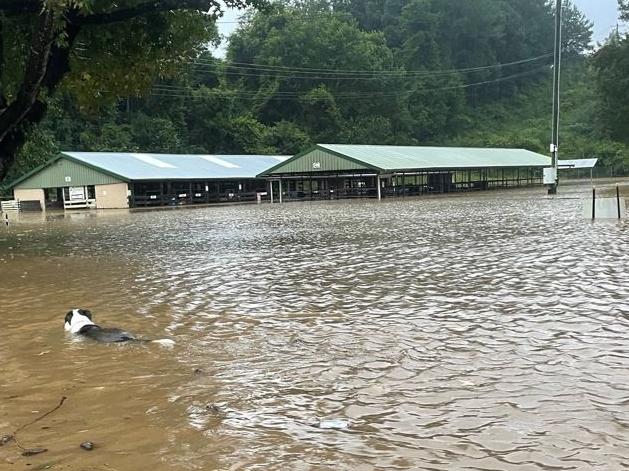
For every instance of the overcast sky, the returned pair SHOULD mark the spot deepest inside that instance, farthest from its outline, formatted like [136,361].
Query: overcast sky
[604,14]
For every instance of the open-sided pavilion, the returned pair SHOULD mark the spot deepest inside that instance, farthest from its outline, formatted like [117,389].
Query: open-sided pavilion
[331,171]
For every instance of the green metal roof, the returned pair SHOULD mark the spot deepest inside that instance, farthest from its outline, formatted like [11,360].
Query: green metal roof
[63,171]
[326,158]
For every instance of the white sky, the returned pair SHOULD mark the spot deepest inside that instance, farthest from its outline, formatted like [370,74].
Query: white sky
[604,14]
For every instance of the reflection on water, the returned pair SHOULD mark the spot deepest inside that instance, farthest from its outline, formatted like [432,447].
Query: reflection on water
[471,332]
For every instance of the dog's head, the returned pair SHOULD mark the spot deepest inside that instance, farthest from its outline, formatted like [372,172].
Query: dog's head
[76,319]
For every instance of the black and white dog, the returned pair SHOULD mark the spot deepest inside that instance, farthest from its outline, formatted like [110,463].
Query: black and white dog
[79,322]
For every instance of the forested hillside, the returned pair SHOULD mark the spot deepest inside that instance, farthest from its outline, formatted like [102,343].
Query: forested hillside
[406,72]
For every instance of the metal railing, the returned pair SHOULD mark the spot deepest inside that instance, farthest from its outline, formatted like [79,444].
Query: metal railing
[10,206]
[181,199]
[331,194]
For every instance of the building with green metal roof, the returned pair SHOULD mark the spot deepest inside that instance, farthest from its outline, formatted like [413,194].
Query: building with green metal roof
[326,171]
[108,180]
[338,171]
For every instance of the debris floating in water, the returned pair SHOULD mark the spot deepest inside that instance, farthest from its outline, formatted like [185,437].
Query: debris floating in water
[89,446]
[33,451]
[334,424]
[213,408]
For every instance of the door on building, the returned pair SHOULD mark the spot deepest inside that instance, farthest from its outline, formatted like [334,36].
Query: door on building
[440,182]
[53,198]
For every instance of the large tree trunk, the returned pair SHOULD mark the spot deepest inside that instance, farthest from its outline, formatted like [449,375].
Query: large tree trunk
[47,66]
[14,117]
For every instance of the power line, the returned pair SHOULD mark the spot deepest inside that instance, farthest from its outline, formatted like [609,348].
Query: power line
[280,76]
[305,71]
[181,92]
[243,69]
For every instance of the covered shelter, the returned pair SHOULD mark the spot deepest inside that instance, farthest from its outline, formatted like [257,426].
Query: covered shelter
[586,165]
[331,171]
[107,180]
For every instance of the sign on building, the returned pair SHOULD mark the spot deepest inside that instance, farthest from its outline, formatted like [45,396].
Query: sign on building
[77,193]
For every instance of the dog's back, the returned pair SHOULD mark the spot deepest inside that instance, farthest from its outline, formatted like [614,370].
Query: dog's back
[79,322]
[100,334]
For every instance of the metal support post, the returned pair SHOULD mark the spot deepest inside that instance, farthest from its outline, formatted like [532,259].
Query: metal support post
[554,145]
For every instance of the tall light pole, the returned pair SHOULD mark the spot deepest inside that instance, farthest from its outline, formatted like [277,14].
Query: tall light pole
[553,179]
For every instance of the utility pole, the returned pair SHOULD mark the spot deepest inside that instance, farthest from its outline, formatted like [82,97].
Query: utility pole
[553,176]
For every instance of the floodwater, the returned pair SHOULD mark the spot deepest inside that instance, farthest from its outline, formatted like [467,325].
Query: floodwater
[482,332]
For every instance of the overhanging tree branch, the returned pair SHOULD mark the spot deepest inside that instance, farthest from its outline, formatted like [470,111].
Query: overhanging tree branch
[3,100]
[48,59]
[160,6]
[20,7]
[156,6]
[36,70]
[47,66]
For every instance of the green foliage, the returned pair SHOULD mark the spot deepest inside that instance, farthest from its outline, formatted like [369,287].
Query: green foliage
[109,60]
[294,38]
[286,138]
[321,115]
[521,122]
[41,145]
[155,134]
[368,130]
[623,6]
[612,66]
[110,137]
[125,59]
[577,30]
[245,135]
[348,71]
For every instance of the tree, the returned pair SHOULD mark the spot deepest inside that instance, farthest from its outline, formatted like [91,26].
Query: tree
[287,138]
[97,49]
[348,71]
[309,47]
[577,30]
[612,65]
[623,6]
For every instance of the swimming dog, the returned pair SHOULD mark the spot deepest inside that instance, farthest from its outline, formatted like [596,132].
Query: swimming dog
[79,322]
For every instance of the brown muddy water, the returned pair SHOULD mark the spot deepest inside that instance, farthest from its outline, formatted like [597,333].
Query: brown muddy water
[480,332]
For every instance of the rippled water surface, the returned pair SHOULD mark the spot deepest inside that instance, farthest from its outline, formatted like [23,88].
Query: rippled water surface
[480,332]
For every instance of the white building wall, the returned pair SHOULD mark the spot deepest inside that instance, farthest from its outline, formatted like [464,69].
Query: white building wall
[113,196]
[23,194]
